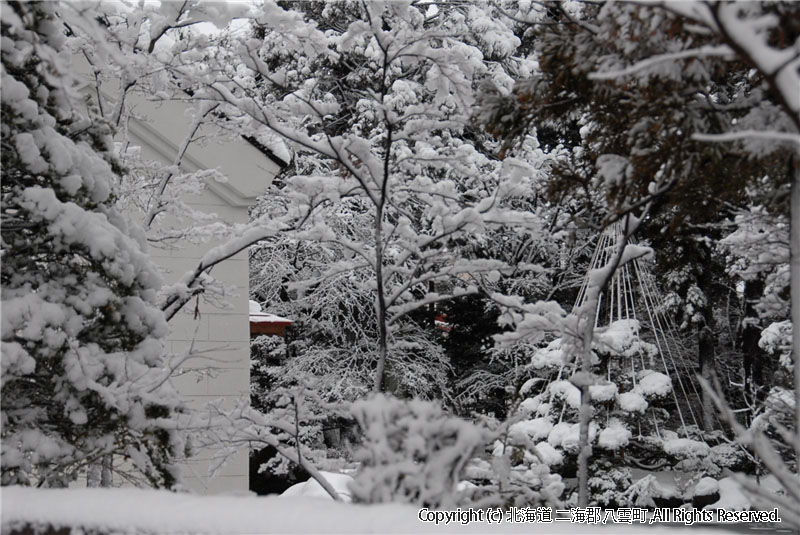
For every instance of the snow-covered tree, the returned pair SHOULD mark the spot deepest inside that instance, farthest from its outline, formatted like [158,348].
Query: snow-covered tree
[763,35]
[83,372]
[155,54]
[723,72]
[334,332]
[756,249]
[375,100]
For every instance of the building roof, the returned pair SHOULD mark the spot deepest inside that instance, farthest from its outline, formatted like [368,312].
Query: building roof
[257,316]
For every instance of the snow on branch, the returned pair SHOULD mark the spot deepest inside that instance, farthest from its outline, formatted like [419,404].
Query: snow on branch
[755,440]
[786,137]
[694,10]
[748,38]
[191,283]
[245,426]
[703,51]
[531,320]
[400,311]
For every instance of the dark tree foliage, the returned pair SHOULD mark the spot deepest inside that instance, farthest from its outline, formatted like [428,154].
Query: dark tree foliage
[693,186]
[647,122]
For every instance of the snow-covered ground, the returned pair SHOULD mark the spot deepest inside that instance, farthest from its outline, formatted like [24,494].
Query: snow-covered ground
[312,489]
[162,512]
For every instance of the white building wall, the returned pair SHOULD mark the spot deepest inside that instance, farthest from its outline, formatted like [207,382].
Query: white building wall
[221,339]
[220,336]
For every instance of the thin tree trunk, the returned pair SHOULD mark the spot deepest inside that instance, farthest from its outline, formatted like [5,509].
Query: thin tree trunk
[706,360]
[107,471]
[585,419]
[753,356]
[383,327]
[94,475]
[795,295]
[380,305]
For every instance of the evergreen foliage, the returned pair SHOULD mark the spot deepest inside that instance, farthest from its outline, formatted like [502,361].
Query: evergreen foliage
[82,368]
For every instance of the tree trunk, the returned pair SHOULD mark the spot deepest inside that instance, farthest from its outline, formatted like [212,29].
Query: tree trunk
[753,356]
[100,473]
[380,305]
[107,471]
[795,294]
[94,475]
[383,327]
[707,362]
[585,448]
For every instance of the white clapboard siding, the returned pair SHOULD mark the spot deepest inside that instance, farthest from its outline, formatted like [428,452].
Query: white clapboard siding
[220,335]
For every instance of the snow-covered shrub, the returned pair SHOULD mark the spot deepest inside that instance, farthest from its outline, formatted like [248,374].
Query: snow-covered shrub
[776,339]
[266,352]
[778,410]
[550,356]
[608,482]
[291,398]
[566,435]
[295,401]
[704,492]
[520,474]
[653,385]
[615,436]
[551,432]
[299,411]
[566,392]
[412,451]
[727,455]
[268,348]
[643,493]
[526,441]
[621,339]
[605,392]
[686,448]
[632,402]
[779,407]
[548,455]
[705,487]
[535,429]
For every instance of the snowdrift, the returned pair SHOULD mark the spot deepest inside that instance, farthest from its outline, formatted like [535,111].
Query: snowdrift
[128,511]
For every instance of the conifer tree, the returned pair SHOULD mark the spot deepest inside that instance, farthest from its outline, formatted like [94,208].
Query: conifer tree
[718,72]
[82,372]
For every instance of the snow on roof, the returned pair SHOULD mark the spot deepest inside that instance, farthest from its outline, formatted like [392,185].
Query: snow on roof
[257,316]
[268,318]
